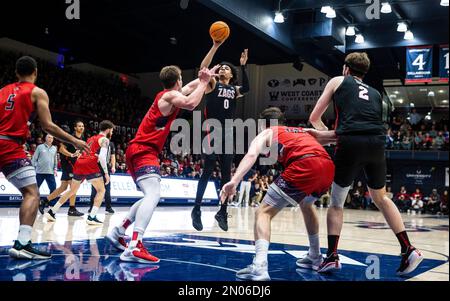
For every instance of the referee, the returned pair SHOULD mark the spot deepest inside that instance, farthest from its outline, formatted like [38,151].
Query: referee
[220,104]
[360,145]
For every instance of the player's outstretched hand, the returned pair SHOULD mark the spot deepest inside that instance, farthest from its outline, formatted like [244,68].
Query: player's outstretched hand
[205,74]
[106,179]
[244,57]
[228,190]
[81,145]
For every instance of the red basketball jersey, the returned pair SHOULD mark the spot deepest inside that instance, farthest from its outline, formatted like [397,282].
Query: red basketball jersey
[15,109]
[94,147]
[155,127]
[294,143]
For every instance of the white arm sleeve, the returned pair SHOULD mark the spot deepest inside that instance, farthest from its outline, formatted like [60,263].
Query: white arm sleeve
[102,158]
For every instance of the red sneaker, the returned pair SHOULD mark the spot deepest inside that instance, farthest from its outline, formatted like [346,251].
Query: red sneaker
[138,254]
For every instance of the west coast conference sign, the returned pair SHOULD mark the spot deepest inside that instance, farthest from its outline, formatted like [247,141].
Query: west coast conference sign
[294,92]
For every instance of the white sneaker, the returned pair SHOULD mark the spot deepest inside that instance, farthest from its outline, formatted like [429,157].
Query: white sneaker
[410,261]
[254,272]
[308,262]
[116,239]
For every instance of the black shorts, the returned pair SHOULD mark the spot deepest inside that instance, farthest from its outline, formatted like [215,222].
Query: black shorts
[67,173]
[354,153]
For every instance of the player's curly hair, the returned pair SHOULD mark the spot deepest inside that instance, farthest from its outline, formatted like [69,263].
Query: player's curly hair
[271,114]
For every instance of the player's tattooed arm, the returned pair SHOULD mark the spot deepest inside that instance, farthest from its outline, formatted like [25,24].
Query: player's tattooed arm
[104,143]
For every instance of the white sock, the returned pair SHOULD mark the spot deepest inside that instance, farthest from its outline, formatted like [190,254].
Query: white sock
[262,248]
[93,211]
[314,245]
[137,236]
[151,188]
[56,207]
[24,234]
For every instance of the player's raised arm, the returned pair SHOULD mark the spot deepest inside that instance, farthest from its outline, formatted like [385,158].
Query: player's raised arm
[322,104]
[245,88]
[41,100]
[190,102]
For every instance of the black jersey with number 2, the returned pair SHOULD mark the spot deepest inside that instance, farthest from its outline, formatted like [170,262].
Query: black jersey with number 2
[358,108]
[221,103]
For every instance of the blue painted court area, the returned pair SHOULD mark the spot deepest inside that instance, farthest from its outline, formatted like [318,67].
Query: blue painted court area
[191,258]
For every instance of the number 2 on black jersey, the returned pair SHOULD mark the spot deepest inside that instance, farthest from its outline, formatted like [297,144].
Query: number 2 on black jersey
[363,93]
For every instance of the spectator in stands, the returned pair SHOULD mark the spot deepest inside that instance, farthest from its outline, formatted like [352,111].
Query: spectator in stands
[407,141]
[389,193]
[324,200]
[402,200]
[444,203]
[417,194]
[427,142]
[417,203]
[418,141]
[255,194]
[357,195]
[434,202]
[433,133]
[415,119]
[398,140]
[439,141]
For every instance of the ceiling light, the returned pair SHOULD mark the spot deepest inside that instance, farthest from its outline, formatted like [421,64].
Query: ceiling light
[359,39]
[431,94]
[386,8]
[409,35]
[400,100]
[279,18]
[412,104]
[325,9]
[393,96]
[444,2]
[445,101]
[331,13]
[442,91]
[402,27]
[350,31]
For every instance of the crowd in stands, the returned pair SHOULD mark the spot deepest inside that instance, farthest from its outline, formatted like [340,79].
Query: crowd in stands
[416,132]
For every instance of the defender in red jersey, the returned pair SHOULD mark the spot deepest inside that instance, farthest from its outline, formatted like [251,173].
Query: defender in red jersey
[86,168]
[308,173]
[17,102]
[142,156]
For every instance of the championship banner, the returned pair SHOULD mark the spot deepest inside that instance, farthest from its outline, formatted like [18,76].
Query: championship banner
[124,189]
[419,64]
[443,64]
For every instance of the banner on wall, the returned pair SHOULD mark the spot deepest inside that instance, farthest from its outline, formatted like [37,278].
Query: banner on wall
[123,187]
[419,64]
[443,63]
[296,96]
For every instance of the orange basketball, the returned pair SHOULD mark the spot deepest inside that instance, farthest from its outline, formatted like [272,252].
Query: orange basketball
[219,31]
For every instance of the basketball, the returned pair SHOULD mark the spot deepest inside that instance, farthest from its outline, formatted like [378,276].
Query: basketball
[219,31]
